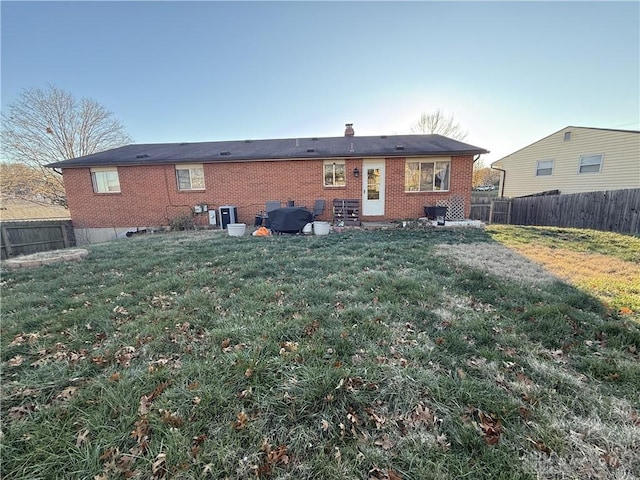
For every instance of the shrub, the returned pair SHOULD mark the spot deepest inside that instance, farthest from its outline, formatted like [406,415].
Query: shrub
[181,222]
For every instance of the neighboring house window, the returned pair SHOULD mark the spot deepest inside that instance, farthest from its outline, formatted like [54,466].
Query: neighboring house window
[567,136]
[190,177]
[590,163]
[544,167]
[334,173]
[426,176]
[105,180]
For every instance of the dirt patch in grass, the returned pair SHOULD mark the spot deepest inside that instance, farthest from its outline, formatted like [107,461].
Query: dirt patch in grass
[46,258]
[497,260]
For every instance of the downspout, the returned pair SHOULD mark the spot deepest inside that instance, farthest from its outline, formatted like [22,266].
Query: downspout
[504,177]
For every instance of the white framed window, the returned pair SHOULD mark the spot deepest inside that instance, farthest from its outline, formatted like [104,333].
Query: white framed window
[334,173]
[426,176]
[590,163]
[544,167]
[105,180]
[190,177]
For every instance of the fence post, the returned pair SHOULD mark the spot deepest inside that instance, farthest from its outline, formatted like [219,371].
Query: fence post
[5,240]
[65,237]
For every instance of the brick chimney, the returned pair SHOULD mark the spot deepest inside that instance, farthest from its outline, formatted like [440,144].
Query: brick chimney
[349,131]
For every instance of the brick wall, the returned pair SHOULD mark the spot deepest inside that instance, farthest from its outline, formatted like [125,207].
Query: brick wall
[149,195]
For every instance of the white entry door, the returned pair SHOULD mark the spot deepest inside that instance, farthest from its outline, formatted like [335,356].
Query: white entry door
[373,187]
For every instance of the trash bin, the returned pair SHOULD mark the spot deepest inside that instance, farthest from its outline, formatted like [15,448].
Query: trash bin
[436,213]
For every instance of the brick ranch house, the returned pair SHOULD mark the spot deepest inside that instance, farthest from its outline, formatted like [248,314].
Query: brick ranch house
[145,186]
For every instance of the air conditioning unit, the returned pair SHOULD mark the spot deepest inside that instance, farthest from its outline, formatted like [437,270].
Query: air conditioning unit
[228,214]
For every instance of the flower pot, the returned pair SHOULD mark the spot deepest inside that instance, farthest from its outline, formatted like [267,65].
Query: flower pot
[321,228]
[236,229]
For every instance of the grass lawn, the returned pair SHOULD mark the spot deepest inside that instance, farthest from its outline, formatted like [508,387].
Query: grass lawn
[401,354]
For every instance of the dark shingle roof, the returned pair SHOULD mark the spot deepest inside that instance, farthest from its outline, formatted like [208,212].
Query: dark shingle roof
[276,149]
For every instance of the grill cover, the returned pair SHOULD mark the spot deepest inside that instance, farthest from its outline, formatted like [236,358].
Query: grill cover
[289,219]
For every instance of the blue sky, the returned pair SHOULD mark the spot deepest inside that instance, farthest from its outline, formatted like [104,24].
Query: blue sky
[509,72]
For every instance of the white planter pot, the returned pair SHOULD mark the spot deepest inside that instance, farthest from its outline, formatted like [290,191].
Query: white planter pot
[236,229]
[321,228]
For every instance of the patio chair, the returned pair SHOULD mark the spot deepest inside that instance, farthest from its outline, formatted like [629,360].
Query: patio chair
[269,207]
[272,205]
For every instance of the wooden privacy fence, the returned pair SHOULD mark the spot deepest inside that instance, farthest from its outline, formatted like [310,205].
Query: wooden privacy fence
[480,208]
[612,210]
[23,238]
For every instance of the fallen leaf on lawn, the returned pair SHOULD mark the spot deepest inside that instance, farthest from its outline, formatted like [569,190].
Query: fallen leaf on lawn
[379,419]
[384,442]
[99,360]
[525,412]
[421,415]
[439,340]
[199,440]
[491,427]
[378,474]
[337,454]
[274,457]
[208,468]
[171,418]
[24,337]
[353,418]
[17,413]
[442,441]
[477,362]
[245,393]
[393,475]
[312,328]
[278,456]
[146,400]
[524,379]
[141,431]
[82,438]
[241,422]
[125,355]
[288,347]
[324,425]
[145,404]
[159,466]
[540,446]
[16,361]
[115,377]
[66,394]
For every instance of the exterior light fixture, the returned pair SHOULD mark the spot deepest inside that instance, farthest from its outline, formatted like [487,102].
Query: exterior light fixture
[356,172]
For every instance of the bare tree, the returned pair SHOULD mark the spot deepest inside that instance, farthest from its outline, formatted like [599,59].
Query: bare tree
[440,123]
[23,181]
[49,125]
